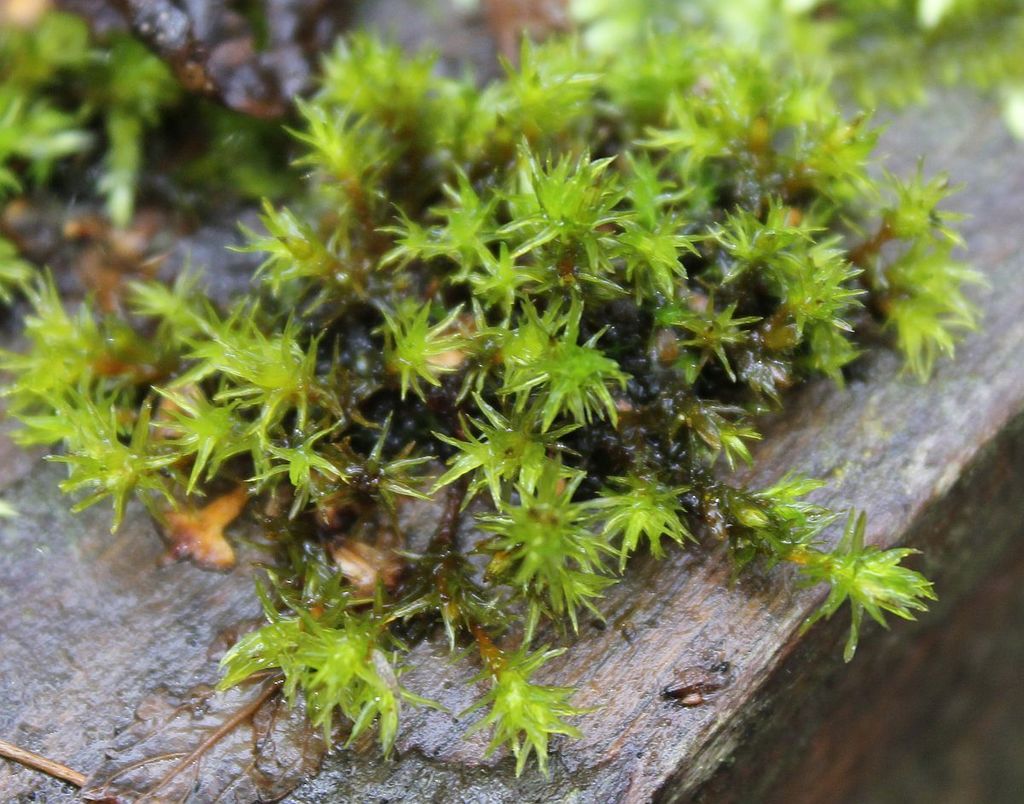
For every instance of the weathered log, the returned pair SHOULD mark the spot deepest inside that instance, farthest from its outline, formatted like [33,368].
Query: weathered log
[92,622]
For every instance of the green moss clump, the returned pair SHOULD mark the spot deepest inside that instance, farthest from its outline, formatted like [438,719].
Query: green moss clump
[880,51]
[66,99]
[549,305]
[56,82]
[894,50]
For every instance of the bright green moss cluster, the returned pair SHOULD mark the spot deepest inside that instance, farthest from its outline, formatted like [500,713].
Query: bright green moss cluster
[56,89]
[893,50]
[89,106]
[335,658]
[56,82]
[883,51]
[547,307]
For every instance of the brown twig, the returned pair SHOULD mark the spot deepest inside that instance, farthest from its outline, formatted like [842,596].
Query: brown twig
[42,764]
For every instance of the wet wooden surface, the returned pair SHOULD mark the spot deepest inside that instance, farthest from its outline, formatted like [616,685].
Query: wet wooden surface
[92,623]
